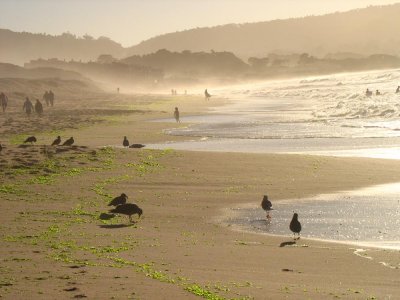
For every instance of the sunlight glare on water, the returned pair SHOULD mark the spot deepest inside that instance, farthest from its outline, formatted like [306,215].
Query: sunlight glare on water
[367,217]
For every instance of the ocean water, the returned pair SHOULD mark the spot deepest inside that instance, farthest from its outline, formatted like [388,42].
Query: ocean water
[368,217]
[320,113]
[326,115]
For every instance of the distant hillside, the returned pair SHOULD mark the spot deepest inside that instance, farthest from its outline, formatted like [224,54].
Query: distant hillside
[189,63]
[365,31]
[21,47]
[13,71]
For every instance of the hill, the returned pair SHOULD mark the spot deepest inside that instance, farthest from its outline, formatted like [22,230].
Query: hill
[364,31]
[189,63]
[13,71]
[21,47]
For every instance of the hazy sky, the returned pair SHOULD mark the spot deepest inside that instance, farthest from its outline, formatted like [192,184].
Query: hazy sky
[131,21]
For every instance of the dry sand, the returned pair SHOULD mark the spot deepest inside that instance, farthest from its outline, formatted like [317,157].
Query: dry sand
[55,246]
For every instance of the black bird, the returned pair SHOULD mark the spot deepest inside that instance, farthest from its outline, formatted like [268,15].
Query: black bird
[30,139]
[69,142]
[137,146]
[118,200]
[128,209]
[125,143]
[57,141]
[295,225]
[267,206]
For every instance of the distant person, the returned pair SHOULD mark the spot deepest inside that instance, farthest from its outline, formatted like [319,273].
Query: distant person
[3,101]
[185,92]
[368,93]
[176,115]
[378,93]
[207,95]
[38,107]
[118,90]
[28,106]
[172,92]
[398,89]
[51,98]
[46,98]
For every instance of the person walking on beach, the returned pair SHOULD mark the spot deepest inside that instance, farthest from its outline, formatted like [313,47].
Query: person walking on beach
[28,106]
[176,115]
[207,95]
[46,98]
[398,89]
[3,101]
[51,98]
[38,107]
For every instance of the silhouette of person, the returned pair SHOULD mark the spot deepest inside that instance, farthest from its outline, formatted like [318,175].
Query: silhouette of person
[176,115]
[28,106]
[3,101]
[51,98]
[398,89]
[38,107]
[46,98]
[368,93]
[207,95]
[118,90]
[378,93]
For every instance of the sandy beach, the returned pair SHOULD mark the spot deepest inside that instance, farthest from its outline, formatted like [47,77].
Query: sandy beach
[56,246]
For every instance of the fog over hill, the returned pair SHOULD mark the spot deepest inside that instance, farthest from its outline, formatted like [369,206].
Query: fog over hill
[365,31]
[21,47]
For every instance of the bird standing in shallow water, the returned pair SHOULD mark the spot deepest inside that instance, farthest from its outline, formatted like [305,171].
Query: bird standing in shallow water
[125,143]
[57,141]
[128,209]
[69,142]
[30,139]
[118,200]
[267,206]
[295,225]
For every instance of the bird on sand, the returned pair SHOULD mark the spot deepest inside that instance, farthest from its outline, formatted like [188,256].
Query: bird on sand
[69,142]
[118,200]
[125,143]
[30,139]
[137,146]
[57,141]
[128,209]
[295,225]
[267,206]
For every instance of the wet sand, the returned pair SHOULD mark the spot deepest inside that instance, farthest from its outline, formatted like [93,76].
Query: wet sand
[54,245]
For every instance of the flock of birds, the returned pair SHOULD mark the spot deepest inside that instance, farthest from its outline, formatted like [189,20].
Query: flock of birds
[121,207]
[130,209]
[69,142]
[56,142]
[294,226]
